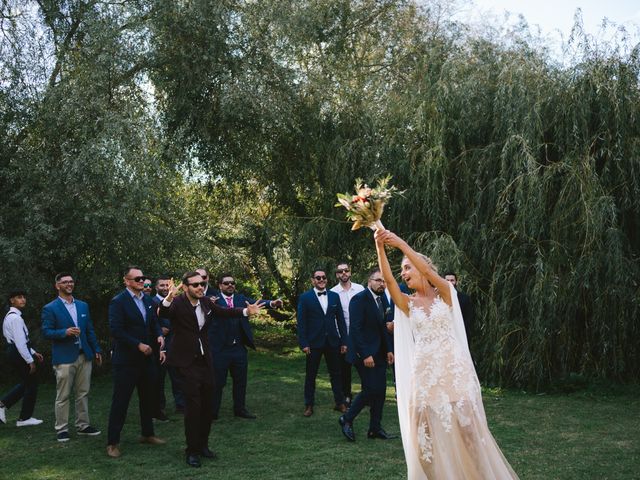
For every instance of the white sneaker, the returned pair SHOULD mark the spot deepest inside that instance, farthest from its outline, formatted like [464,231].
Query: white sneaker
[28,422]
[3,415]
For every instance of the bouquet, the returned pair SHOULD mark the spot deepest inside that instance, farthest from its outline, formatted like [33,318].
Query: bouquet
[365,208]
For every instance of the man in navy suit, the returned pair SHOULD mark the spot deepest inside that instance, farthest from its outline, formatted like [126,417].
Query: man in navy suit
[321,331]
[162,290]
[67,322]
[209,291]
[228,340]
[134,327]
[372,351]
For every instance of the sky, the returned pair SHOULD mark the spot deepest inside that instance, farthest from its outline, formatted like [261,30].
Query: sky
[558,15]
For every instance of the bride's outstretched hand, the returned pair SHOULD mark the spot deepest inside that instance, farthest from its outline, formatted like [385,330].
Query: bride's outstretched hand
[389,238]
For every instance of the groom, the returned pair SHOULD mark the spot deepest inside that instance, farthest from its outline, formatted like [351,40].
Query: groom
[372,350]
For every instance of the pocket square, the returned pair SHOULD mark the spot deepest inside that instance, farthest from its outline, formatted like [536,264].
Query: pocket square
[84,315]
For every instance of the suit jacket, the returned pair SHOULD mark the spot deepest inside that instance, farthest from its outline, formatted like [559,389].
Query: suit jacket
[368,332]
[316,327]
[219,331]
[55,321]
[466,308]
[128,328]
[187,335]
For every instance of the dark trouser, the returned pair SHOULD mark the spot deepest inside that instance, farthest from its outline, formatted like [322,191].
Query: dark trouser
[197,386]
[126,378]
[232,359]
[345,371]
[176,388]
[27,389]
[374,388]
[332,357]
[162,373]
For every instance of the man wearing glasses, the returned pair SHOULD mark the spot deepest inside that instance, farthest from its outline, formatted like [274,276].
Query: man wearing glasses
[190,315]
[67,322]
[371,353]
[208,290]
[134,327]
[346,289]
[321,331]
[229,339]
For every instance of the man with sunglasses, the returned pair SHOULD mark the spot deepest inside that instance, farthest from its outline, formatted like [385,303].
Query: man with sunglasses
[321,331]
[134,327]
[67,322]
[346,289]
[190,314]
[208,290]
[229,339]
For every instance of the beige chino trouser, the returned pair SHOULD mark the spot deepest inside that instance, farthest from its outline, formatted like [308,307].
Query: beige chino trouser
[78,376]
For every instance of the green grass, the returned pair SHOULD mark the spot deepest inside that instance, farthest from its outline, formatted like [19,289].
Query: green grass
[581,435]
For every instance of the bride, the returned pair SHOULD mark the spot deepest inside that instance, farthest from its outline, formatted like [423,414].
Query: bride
[442,420]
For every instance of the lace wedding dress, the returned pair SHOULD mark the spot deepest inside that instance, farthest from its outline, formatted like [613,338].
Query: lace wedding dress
[444,429]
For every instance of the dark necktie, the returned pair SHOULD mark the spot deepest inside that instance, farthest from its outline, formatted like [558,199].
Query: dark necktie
[380,306]
[322,293]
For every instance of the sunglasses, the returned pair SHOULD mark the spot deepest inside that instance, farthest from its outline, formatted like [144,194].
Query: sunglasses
[147,285]
[343,270]
[137,279]
[228,283]
[197,284]
[320,277]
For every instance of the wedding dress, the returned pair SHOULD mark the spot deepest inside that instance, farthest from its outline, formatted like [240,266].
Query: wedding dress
[444,429]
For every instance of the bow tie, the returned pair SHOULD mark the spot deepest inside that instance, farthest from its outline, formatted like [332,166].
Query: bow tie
[322,293]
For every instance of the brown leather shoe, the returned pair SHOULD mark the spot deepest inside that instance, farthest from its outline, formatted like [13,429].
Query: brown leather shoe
[152,440]
[113,451]
[340,407]
[308,411]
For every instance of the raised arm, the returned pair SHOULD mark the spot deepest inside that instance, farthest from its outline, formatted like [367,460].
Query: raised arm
[390,238]
[400,299]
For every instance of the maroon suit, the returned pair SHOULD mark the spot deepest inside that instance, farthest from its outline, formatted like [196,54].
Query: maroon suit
[190,354]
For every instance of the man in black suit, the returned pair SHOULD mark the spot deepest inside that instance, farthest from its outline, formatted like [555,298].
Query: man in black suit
[190,315]
[229,339]
[372,350]
[134,327]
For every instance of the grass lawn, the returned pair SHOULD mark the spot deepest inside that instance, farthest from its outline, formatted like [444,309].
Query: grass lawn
[581,435]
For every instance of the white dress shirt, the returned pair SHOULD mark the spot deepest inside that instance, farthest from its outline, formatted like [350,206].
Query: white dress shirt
[15,331]
[346,294]
[323,299]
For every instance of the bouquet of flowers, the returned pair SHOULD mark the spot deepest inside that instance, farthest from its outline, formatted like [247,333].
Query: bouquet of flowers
[365,208]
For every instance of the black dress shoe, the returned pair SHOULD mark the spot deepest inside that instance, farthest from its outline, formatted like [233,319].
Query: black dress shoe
[347,429]
[206,453]
[193,461]
[381,434]
[244,413]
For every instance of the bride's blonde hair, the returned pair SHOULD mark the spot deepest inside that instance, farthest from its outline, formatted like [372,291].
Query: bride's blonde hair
[426,259]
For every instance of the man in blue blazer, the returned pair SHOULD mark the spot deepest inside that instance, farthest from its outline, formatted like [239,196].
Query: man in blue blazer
[372,351]
[67,322]
[228,341]
[133,323]
[321,331]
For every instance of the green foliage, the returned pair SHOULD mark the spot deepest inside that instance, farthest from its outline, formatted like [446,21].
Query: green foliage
[182,133]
